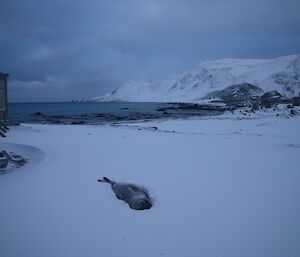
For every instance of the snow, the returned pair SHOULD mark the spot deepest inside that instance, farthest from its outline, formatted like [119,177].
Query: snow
[281,74]
[223,186]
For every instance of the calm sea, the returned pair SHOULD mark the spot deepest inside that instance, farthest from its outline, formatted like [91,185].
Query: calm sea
[96,113]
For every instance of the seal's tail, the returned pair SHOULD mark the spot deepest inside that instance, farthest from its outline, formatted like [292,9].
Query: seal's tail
[105,179]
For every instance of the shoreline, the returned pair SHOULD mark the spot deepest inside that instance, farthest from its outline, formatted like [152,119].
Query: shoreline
[281,110]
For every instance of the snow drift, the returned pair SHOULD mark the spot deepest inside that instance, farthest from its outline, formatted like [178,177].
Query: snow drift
[281,74]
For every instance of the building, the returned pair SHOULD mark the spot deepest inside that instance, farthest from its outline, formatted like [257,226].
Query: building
[3,96]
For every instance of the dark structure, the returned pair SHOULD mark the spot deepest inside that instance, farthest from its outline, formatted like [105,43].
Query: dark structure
[3,97]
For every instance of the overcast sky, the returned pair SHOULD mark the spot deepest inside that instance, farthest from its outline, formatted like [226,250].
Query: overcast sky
[60,50]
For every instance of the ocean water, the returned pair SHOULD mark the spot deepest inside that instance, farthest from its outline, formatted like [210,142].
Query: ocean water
[97,113]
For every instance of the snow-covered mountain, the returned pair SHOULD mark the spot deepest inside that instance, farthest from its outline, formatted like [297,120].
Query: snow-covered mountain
[281,74]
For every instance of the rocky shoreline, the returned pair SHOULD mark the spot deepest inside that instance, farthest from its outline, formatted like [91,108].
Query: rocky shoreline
[217,102]
[126,114]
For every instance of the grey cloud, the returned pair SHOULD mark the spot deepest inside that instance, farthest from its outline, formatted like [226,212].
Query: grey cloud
[86,48]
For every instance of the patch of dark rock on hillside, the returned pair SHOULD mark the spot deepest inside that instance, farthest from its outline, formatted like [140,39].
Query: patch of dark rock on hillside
[271,98]
[248,95]
[236,95]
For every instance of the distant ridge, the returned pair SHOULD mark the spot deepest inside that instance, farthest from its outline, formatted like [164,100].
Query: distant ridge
[281,74]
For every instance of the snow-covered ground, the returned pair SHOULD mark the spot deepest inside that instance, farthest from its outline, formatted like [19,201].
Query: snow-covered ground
[223,187]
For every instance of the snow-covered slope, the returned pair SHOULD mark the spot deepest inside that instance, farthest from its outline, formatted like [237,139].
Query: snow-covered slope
[281,74]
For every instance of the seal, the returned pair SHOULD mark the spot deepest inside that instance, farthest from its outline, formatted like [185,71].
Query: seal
[137,197]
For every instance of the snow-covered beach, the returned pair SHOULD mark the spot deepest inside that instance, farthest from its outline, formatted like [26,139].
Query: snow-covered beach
[150,128]
[222,186]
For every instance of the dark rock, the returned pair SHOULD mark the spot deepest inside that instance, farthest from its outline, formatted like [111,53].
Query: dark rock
[13,158]
[99,115]
[294,112]
[296,101]
[3,161]
[37,114]
[200,107]
[78,122]
[290,106]
[240,94]
[58,117]
[271,95]
[125,108]
[270,98]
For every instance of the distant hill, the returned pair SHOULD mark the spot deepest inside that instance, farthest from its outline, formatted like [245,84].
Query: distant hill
[281,74]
